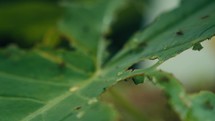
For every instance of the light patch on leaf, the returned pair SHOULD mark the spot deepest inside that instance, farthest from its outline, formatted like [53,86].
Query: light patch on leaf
[73,89]
[80,114]
[92,101]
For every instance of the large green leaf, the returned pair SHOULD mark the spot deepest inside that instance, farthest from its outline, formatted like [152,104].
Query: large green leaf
[40,85]
[58,85]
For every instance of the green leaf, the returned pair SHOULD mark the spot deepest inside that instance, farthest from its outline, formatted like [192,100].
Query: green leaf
[202,108]
[194,107]
[172,32]
[59,85]
[41,85]
[85,23]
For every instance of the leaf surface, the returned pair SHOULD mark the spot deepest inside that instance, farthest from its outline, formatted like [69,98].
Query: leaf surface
[172,32]
[41,85]
[85,23]
[59,85]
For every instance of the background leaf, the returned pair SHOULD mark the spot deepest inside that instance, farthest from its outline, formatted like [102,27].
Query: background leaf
[27,22]
[194,107]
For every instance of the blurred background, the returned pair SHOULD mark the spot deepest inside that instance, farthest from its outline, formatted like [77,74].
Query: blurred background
[29,22]
[34,23]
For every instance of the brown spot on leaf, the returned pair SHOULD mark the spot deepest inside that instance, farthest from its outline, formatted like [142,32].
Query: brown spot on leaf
[78,108]
[164,79]
[132,68]
[179,33]
[205,17]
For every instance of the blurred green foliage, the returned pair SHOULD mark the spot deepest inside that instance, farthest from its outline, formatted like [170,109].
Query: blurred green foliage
[25,22]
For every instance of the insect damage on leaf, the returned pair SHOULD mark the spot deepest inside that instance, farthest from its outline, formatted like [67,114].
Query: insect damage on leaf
[197,46]
[153,58]
[180,33]
[73,91]
[78,108]
[164,79]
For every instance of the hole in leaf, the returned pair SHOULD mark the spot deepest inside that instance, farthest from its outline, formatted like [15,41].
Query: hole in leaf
[132,68]
[135,66]
[153,60]
[128,20]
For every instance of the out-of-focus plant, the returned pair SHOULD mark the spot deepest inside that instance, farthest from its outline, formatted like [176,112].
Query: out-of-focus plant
[26,22]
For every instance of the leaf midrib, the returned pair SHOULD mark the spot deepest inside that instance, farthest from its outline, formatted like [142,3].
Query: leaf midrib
[49,105]
[60,98]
